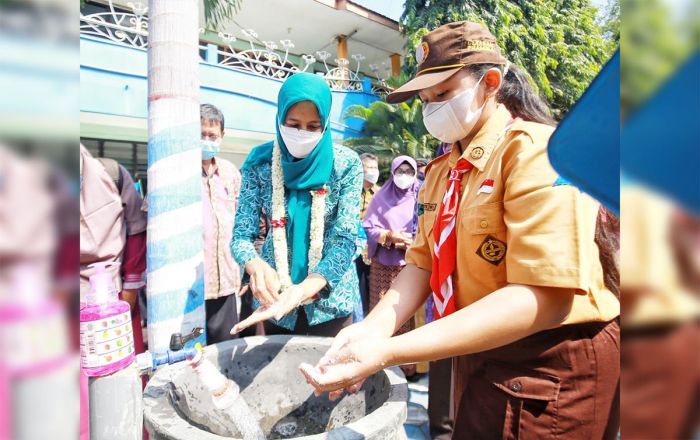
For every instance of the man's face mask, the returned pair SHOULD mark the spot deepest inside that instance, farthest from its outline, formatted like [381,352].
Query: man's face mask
[210,148]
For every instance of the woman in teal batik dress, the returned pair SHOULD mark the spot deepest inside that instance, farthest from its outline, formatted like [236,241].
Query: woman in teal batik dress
[304,281]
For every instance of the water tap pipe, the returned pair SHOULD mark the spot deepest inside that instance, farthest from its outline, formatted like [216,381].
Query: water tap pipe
[147,361]
[178,341]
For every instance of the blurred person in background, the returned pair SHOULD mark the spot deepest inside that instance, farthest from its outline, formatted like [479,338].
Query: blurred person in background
[390,225]
[370,167]
[444,148]
[112,229]
[221,186]
[37,370]
[660,355]
[422,164]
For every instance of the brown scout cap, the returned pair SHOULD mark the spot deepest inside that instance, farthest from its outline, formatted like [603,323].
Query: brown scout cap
[444,51]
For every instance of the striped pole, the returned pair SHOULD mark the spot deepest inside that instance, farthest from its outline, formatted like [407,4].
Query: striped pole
[175,289]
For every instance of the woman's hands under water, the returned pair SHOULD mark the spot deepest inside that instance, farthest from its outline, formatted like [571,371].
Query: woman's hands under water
[356,353]
[288,300]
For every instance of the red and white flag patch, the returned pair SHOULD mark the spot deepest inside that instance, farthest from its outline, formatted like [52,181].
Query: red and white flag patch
[486,187]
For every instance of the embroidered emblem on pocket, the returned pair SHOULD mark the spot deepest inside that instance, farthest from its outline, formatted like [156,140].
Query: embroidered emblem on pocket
[421,208]
[492,250]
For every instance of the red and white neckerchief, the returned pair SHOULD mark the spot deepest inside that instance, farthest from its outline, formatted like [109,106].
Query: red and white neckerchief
[445,237]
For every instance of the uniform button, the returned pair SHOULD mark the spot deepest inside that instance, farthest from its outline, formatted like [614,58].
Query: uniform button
[516,386]
[477,153]
[484,223]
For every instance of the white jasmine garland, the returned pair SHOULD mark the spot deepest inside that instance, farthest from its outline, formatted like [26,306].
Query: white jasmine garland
[279,222]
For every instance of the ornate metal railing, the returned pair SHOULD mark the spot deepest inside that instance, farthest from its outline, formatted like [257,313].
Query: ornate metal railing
[380,87]
[271,60]
[260,61]
[129,28]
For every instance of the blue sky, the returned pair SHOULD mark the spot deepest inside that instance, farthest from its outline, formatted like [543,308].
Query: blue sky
[388,8]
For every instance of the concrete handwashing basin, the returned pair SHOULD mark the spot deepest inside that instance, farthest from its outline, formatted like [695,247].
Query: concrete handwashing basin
[266,370]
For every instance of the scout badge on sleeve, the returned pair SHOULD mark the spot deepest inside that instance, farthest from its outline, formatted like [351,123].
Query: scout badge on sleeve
[492,250]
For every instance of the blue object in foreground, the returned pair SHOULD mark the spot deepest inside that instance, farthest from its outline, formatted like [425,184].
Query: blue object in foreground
[147,362]
[660,143]
[585,148]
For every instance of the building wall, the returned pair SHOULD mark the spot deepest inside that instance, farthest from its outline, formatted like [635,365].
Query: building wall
[113,99]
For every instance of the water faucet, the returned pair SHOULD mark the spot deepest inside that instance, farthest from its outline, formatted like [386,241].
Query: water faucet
[148,362]
[178,341]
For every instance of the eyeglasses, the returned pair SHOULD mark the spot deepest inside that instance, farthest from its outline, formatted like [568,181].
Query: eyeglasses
[404,173]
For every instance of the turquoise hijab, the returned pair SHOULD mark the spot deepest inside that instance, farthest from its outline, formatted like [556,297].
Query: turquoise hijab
[300,175]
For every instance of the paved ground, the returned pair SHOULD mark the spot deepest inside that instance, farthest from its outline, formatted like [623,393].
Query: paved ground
[417,423]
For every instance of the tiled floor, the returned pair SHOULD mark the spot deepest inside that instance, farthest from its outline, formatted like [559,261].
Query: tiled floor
[416,425]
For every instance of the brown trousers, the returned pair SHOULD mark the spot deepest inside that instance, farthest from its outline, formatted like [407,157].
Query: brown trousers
[440,399]
[661,381]
[560,383]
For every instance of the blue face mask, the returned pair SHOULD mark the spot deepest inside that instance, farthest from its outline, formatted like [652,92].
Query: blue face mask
[210,149]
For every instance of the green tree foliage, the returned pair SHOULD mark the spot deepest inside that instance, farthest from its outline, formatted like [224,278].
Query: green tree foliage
[655,42]
[610,23]
[216,12]
[392,130]
[557,42]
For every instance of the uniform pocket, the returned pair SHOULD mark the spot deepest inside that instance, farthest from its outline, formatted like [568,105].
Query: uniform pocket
[531,400]
[484,219]
[485,244]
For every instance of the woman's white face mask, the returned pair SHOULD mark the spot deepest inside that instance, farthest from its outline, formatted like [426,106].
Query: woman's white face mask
[404,181]
[452,120]
[300,143]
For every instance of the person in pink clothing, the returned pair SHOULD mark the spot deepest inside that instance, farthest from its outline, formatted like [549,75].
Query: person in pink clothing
[221,185]
[112,229]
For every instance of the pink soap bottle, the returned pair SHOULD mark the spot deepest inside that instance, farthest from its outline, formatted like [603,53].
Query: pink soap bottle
[106,336]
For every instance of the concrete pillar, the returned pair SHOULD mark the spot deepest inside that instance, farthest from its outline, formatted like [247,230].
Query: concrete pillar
[342,52]
[342,48]
[174,255]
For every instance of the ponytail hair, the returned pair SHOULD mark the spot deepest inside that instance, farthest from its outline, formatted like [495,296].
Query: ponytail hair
[517,94]
[607,237]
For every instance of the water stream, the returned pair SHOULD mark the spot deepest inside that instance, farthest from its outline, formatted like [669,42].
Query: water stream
[228,400]
[244,419]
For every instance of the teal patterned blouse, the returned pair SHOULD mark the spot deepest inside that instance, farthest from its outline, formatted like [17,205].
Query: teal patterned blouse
[338,299]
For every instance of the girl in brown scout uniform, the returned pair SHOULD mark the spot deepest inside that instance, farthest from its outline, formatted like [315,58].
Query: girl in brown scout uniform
[509,253]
